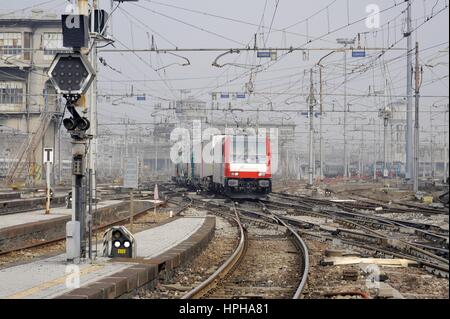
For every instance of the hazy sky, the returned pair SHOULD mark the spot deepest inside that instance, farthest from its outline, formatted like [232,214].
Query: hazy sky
[135,23]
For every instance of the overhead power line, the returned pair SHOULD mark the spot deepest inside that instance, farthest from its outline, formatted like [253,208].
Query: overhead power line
[189,24]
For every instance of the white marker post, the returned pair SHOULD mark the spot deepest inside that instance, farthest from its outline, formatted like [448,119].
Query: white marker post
[48,160]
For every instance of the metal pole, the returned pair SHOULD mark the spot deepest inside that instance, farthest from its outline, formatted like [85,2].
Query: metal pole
[386,115]
[126,137]
[156,157]
[385,147]
[431,143]
[374,150]
[409,91]
[90,213]
[446,148]
[257,119]
[416,124]
[361,160]
[391,149]
[59,157]
[78,203]
[110,19]
[93,105]
[311,128]
[321,113]
[345,117]
[79,157]
[287,164]
[320,123]
[55,128]
[132,211]
[47,173]
[379,147]
[314,157]
[126,148]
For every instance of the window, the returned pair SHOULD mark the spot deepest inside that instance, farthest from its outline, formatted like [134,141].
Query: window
[52,43]
[11,92]
[10,44]
[249,149]
[27,46]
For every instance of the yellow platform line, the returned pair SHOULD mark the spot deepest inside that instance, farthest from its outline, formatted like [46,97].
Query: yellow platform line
[52,283]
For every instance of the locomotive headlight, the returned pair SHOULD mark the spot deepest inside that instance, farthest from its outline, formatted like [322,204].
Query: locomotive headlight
[117,244]
[261,174]
[234,174]
[233,182]
[127,244]
[264,183]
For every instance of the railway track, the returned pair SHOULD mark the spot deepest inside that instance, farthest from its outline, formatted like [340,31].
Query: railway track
[443,198]
[430,231]
[426,245]
[232,279]
[374,233]
[212,282]
[367,205]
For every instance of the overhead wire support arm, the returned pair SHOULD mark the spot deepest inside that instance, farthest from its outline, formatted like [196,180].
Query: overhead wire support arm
[223,54]
[187,63]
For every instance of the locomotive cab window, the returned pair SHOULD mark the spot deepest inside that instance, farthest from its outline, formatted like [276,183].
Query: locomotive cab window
[249,149]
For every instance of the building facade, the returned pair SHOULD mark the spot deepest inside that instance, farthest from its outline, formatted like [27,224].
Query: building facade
[28,101]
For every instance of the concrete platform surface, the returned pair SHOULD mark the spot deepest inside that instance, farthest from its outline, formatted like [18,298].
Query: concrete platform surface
[47,278]
[39,215]
[162,238]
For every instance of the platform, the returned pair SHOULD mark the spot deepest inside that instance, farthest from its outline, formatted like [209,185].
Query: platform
[23,230]
[47,278]
[18,219]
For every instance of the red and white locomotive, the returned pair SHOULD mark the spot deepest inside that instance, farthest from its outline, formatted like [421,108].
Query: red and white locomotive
[235,164]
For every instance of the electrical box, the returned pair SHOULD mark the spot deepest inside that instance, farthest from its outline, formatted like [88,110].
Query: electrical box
[77,165]
[100,19]
[75,29]
[73,240]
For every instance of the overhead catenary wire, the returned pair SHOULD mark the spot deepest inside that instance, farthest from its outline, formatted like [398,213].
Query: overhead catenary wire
[269,64]
[271,22]
[29,7]
[234,20]
[188,24]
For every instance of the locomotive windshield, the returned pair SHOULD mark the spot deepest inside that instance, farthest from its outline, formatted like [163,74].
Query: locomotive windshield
[248,149]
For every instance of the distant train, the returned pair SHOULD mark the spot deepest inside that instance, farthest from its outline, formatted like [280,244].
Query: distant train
[238,165]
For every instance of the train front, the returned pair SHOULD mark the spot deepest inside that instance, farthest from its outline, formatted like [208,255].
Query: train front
[248,164]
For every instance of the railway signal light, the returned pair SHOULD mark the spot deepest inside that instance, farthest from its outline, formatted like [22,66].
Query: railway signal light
[120,243]
[71,73]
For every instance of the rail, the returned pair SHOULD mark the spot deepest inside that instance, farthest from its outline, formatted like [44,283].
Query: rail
[223,271]
[305,258]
